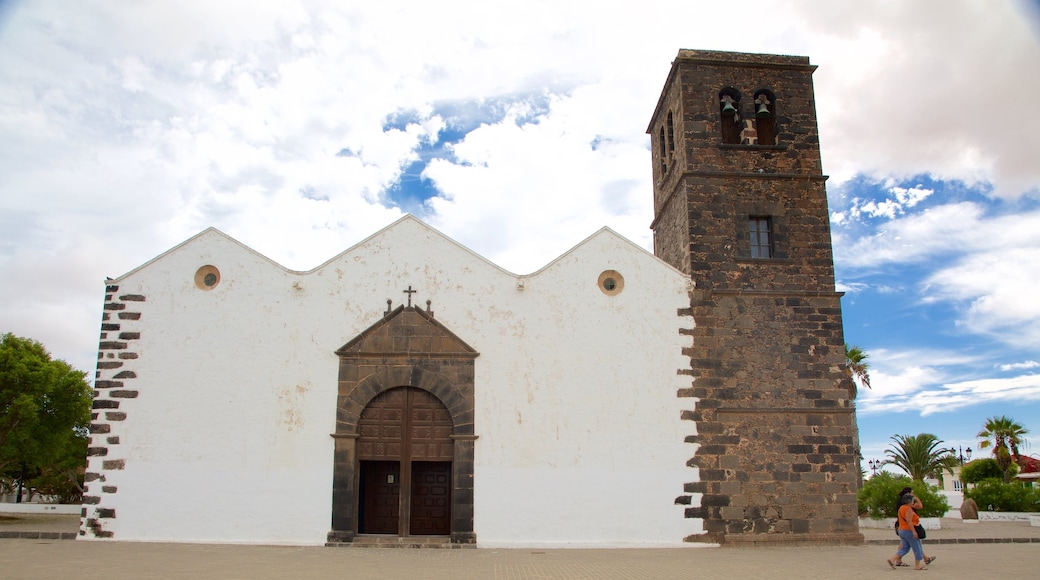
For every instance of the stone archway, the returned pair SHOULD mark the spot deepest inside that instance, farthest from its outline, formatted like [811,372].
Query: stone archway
[407,348]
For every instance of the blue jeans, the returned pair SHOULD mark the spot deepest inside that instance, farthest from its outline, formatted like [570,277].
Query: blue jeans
[909,542]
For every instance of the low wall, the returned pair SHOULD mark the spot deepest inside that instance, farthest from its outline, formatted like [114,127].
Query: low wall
[889,523]
[1005,516]
[39,508]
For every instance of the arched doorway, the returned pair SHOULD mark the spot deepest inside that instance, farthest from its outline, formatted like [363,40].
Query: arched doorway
[404,425]
[404,454]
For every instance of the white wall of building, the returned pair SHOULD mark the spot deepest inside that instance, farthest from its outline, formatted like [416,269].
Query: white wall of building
[580,440]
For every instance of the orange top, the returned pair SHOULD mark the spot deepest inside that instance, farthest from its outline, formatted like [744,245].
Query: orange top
[908,517]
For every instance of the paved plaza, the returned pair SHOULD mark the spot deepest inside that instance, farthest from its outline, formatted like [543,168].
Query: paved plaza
[988,550]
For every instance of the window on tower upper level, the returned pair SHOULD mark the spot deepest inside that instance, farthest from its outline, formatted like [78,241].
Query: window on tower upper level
[729,110]
[760,230]
[671,134]
[662,154]
[765,117]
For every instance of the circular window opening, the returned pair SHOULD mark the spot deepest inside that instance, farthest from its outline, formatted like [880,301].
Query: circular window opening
[207,277]
[611,282]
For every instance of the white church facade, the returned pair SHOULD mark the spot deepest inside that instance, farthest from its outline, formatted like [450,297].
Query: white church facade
[221,396]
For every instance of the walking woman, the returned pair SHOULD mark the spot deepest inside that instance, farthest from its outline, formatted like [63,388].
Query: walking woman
[908,539]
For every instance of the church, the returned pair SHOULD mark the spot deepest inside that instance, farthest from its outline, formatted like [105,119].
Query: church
[409,392]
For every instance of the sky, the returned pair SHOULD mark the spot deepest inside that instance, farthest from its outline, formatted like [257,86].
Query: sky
[518,129]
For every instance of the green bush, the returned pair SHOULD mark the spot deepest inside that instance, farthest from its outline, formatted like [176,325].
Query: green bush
[980,470]
[995,495]
[877,497]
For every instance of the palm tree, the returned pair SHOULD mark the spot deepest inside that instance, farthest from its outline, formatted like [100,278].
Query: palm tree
[1004,435]
[920,456]
[856,367]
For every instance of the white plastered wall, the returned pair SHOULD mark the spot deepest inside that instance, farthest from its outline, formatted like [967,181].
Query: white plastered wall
[580,441]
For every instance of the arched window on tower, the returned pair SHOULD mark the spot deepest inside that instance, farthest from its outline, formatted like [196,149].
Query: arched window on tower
[765,116]
[729,109]
[671,135]
[662,153]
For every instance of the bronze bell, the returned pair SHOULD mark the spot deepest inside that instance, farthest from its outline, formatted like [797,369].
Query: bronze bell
[727,106]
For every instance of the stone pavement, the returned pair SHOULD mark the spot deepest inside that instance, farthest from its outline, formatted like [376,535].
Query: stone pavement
[987,554]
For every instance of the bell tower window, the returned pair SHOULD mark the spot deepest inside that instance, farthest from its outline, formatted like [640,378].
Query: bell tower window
[671,135]
[765,116]
[729,109]
[662,153]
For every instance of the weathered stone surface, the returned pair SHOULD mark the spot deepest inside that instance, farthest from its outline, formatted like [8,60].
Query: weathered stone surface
[775,424]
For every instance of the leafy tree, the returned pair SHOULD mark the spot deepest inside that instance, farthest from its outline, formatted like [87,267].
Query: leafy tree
[920,456]
[856,367]
[877,497]
[981,469]
[1004,435]
[998,496]
[44,411]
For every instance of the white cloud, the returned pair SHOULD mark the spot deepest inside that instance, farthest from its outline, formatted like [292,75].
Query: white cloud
[918,381]
[137,124]
[1029,364]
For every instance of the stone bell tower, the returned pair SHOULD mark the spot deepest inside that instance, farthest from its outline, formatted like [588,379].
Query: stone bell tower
[740,205]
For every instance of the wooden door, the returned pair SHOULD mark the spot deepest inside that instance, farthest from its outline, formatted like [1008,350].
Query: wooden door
[410,430]
[380,497]
[431,498]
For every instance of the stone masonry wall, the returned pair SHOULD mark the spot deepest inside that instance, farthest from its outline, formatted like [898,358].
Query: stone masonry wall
[776,428]
[114,393]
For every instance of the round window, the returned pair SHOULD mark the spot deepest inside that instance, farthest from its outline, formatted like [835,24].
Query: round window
[207,277]
[611,282]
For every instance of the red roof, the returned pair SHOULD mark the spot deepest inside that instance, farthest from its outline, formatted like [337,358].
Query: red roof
[1028,464]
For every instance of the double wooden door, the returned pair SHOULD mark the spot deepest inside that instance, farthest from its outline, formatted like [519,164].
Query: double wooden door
[405,444]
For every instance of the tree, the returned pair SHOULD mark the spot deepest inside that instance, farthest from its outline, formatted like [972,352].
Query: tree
[856,367]
[920,456]
[980,470]
[44,411]
[1004,435]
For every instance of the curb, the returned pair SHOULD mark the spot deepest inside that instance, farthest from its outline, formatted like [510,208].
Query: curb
[40,535]
[961,541]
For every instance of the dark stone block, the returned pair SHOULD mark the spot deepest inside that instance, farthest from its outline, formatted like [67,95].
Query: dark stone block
[112,345]
[715,500]
[104,404]
[129,335]
[108,384]
[125,375]
[129,315]
[132,298]
[123,394]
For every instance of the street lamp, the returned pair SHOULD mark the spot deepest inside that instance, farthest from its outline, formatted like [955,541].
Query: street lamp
[961,455]
[874,465]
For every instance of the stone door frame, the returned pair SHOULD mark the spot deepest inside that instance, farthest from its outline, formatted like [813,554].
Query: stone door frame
[429,358]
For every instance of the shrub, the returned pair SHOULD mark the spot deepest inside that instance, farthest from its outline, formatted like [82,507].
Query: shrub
[1004,497]
[980,470]
[877,497]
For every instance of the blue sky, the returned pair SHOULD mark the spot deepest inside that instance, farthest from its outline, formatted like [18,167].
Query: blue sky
[300,127]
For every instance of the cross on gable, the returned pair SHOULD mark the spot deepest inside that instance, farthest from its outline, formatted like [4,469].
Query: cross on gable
[409,292]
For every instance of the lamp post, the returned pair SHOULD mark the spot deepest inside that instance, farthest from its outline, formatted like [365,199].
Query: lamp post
[961,455]
[874,465]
